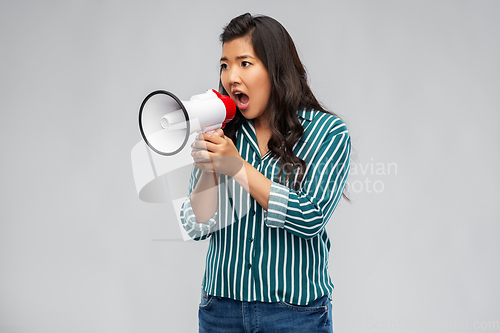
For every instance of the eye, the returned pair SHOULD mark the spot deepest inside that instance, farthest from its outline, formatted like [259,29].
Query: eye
[245,64]
[223,66]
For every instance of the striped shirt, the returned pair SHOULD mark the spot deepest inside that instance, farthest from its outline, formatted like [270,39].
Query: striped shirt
[280,254]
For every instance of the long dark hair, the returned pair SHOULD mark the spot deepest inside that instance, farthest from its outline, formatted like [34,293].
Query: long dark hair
[290,91]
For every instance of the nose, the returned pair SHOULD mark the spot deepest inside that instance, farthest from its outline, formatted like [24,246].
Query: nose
[234,76]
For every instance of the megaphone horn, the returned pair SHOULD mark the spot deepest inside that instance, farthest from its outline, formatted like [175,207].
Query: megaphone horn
[166,122]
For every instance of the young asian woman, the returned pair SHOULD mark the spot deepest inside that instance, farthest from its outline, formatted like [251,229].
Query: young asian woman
[263,188]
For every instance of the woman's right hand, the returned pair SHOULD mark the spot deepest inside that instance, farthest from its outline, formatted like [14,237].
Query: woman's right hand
[216,152]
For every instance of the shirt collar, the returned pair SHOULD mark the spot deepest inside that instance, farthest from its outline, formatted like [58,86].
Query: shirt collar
[306,115]
[248,130]
[305,118]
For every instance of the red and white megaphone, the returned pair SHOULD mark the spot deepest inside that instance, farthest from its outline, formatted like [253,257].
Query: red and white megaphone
[166,122]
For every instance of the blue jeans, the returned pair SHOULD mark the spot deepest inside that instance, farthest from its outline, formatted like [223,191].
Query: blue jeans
[225,315]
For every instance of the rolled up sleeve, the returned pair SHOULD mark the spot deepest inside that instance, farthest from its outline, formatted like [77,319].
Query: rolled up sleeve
[277,206]
[195,230]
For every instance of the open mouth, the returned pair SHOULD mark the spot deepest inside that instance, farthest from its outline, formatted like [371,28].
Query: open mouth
[242,99]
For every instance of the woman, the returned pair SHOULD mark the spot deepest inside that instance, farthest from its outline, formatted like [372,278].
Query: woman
[263,189]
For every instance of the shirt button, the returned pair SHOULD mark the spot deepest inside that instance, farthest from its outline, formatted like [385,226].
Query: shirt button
[249,266]
[252,212]
[250,239]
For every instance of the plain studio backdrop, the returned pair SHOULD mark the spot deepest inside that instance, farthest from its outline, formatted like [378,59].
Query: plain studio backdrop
[417,83]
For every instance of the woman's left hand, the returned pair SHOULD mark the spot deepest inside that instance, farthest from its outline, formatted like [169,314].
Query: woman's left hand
[216,152]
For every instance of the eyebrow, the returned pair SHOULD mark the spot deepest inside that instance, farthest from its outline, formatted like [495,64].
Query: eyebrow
[245,56]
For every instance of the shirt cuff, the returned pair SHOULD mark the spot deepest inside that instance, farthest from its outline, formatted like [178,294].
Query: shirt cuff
[194,229]
[277,206]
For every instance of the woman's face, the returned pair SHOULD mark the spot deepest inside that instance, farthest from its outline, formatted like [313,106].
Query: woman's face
[245,78]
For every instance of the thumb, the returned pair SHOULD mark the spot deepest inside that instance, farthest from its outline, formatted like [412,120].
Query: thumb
[219,132]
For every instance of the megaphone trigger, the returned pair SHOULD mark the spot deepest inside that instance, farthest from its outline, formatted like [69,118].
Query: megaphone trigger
[212,129]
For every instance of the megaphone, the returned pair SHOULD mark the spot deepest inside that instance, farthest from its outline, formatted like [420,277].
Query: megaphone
[166,122]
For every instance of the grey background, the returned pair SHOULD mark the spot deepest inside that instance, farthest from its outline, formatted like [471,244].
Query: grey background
[417,83]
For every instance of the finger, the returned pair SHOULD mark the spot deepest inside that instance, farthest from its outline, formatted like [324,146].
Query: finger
[203,166]
[204,146]
[199,144]
[201,156]
[210,137]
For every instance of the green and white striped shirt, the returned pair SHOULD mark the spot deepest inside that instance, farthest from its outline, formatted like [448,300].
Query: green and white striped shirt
[280,254]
